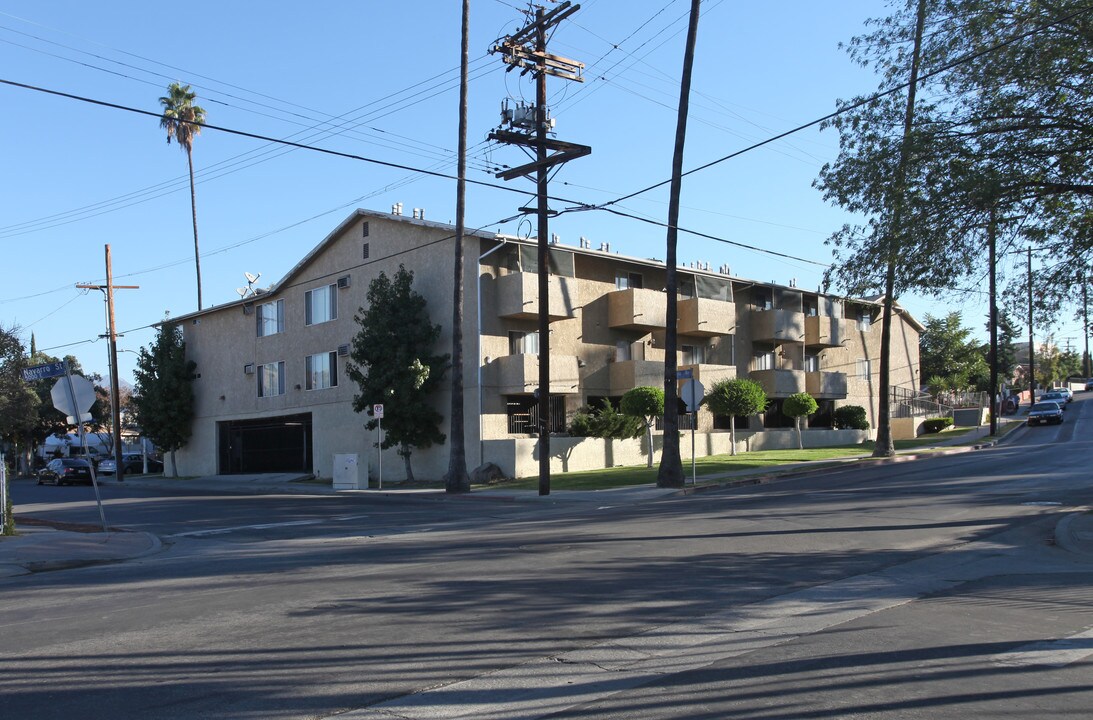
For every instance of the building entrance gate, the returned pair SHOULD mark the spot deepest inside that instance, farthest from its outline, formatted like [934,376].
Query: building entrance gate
[266,445]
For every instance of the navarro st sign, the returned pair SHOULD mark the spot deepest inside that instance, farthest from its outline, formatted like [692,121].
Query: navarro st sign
[40,372]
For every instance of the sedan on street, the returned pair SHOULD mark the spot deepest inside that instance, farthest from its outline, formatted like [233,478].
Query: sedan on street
[1055,396]
[1044,413]
[62,471]
[132,464]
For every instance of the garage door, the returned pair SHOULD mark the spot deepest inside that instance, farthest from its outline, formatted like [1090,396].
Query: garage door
[266,445]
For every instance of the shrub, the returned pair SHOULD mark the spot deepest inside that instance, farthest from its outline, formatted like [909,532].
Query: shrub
[604,422]
[851,417]
[935,425]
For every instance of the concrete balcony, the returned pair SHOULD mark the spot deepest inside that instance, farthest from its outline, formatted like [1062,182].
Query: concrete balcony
[826,385]
[710,374]
[628,374]
[824,331]
[518,297]
[703,317]
[777,326]
[519,374]
[636,309]
[780,383]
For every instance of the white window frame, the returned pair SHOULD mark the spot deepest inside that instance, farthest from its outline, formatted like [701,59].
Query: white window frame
[271,379]
[321,304]
[764,360]
[321,371]
[523,342]
[627,280]
[812,362]
[865,320]
[270,318]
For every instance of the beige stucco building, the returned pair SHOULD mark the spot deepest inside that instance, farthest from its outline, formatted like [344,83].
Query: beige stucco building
[272,392]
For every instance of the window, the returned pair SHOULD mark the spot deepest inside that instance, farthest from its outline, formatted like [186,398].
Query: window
[321,305]
[865,320]
[686,285]
[270,318]
[365,251]
[812,363]
[865,369]
[812,307]
[322,371]
[622,351]
[764,360]
[693,354]
[523,343]
[271,379]
[628,280]
[763,299]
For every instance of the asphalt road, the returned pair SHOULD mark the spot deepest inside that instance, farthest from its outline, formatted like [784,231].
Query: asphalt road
[914,590]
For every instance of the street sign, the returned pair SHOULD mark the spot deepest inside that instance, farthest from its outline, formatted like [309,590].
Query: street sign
[685,374]
[40,372]
[81,393]
[377,411]
[692,394]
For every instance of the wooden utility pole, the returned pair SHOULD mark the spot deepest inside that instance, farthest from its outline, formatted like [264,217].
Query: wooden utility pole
[115,389]
[1031,350]
[527,49]
[995,395]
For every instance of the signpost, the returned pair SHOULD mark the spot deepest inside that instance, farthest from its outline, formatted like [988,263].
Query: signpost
[74,395]
[692,394]
[377,411]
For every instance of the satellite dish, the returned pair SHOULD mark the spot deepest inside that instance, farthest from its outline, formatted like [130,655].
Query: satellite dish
[242,291]
[251,279]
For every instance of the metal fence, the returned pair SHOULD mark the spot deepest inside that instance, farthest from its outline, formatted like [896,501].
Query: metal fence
[906,403]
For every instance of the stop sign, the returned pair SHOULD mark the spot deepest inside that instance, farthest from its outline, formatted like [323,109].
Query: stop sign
[64,401]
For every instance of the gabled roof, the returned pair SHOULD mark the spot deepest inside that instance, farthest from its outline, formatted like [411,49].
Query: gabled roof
[299,267]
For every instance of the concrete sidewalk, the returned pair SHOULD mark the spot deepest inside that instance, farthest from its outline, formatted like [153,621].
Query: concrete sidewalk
[37,549]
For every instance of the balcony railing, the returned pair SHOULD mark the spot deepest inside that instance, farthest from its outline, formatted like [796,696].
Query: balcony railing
[708,374]
[824,331]
[827,385]
[777,325]
[518,297]
[628,374]
[780,383]
[519,374]
[703,317]
[636,309]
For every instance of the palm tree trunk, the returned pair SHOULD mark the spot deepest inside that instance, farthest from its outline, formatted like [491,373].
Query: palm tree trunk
[732,435]
[193,208]
[457,479]
[670,473]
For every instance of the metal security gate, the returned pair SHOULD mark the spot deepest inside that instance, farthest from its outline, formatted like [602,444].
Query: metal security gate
[266,445]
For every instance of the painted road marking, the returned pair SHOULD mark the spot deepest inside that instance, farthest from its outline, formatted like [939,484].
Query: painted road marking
[1054,653]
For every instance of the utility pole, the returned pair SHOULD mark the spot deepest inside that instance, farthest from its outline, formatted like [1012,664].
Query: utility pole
[115,390]
[1085,325]
[1031,355]
[527,49]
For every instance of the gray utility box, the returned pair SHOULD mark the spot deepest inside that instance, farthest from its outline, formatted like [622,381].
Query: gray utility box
[349,474]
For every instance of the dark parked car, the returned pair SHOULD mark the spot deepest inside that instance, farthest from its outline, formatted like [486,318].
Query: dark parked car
[1043,413]
[63,471]
[132,464]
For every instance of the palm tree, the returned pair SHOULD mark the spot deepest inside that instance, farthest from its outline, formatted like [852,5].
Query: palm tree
[182,120]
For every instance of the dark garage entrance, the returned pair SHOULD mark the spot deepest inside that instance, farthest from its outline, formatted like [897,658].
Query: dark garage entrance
[266,445]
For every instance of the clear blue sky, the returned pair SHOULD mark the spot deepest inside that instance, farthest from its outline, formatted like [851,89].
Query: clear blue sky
[379,80]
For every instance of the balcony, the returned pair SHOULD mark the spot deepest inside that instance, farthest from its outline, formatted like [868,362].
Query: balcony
[703,317]
[826,385]
[824,331]
[626,375]
[780,383]
[519,374]
[636,309]
[710,374]
[518,297]
[777,326]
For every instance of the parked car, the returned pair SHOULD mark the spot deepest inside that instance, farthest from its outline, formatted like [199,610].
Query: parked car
[132,464]
[1055,396]
[63,471]
[1067,392]
[1089,384]
[1044,413]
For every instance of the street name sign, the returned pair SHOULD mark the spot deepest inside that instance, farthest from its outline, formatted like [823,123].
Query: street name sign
[41,372]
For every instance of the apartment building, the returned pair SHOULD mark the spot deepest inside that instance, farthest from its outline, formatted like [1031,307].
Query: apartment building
[272,393]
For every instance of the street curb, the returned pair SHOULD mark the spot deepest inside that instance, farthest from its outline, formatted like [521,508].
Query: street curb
[1066,537]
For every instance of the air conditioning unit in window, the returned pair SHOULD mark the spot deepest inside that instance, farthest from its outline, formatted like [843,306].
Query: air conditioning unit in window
[343,282]
[343,350]
[248,368]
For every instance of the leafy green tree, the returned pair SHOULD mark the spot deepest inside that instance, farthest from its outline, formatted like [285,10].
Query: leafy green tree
[1053,366]
[797,406]
[738,397]
[163,395]
[646,404]
[182,120]
[948,357]
[1008,335]
[18,403]
[395,365]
